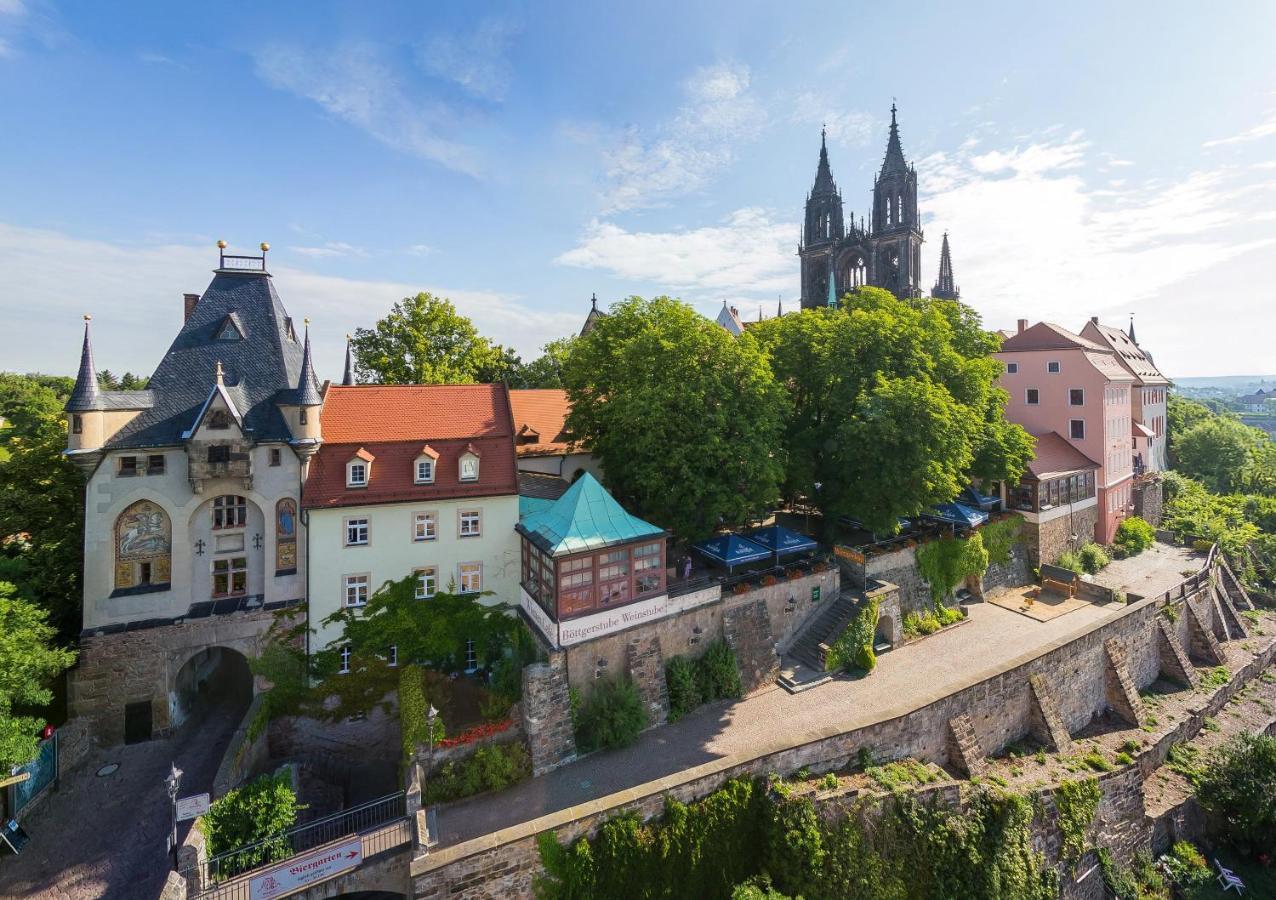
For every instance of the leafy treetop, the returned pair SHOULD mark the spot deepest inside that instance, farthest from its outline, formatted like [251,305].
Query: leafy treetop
[27,662]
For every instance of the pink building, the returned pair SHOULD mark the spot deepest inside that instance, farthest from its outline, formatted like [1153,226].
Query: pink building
[1147,396]
[1065,385]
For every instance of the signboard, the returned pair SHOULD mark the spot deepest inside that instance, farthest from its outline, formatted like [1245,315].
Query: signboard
[192,807]
[585,628]
[303,871]
[815,594]
[544,624]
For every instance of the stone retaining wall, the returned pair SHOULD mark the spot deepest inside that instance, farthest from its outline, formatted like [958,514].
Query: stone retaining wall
[999,705]
[246,753]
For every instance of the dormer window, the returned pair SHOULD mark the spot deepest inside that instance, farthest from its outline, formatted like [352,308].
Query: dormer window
[359,469]
[423,466]
[230,329]
[469,466]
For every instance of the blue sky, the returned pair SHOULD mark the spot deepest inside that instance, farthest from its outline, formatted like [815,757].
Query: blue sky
[1088,159]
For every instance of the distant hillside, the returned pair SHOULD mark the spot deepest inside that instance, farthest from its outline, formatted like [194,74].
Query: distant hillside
[1237,384]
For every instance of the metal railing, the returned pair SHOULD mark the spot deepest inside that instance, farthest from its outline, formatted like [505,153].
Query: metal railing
[204,877]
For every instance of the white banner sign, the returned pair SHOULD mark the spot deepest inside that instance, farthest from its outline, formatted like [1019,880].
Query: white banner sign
[192,807]
[303,871]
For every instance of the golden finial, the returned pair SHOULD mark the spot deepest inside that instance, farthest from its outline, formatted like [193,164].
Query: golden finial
[221,245]
[264,246]
[306,320]
[88,318]
[349,338]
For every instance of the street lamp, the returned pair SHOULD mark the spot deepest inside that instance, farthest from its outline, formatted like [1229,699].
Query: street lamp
[173,783]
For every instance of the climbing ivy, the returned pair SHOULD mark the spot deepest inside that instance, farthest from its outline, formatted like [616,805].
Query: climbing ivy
[912,850]
[946,563]
[1077,802]
[1000,537]
[854,649]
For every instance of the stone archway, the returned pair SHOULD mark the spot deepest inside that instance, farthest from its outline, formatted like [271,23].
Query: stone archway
[888,631]
[210,677]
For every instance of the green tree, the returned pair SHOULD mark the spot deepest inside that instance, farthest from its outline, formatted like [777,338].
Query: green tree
[27,662]
[685,418]
[41,499]
[546,370]
[894,406]
[1239,788]
[1181,414]
[424,340]
[259,810]
[1221,452]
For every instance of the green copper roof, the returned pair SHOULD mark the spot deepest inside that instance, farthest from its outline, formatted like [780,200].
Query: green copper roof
[584,518]
[528,505]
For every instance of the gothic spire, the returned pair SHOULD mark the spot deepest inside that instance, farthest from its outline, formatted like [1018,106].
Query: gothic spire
[779,306]
[307,386]
[348,378]
[1132,340]
[824,183]
[85,395]
[894,161]
[945,287]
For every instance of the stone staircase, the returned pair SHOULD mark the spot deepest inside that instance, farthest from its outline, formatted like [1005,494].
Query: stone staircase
[803,665]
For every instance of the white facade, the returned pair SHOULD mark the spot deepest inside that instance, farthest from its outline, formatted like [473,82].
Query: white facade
[398,544]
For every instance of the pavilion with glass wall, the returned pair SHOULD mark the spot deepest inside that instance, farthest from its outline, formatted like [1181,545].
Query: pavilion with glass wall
[585,554]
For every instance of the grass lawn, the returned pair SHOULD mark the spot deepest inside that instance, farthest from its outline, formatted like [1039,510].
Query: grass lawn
[1260,881]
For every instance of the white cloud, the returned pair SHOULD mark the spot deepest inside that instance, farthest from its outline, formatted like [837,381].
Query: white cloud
[747,257]
[330,249]
[683,154]
[477,62]
[12,8]
[844,126]
[1261,130]
[356,83]
[49,279]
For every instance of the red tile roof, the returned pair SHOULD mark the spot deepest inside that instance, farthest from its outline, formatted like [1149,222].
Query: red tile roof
[1055,457]
[1048,336]
[396,424]
[1131,356]
[540,422]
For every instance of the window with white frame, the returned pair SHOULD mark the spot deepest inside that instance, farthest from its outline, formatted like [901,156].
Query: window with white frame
[344,667]
[230,511]
[425,526]
[427,582]
[1012,368]
[356,473]
[1076,397]
[424,473]
[471,576]
[1032,396]
[356,532]
[392,658]
[1053,367]
[230,577]
[356,590]
[1076,429]
[470,523]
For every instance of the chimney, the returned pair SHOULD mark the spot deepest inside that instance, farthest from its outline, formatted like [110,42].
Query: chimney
[1023,325]
[1094,320]
[188,305]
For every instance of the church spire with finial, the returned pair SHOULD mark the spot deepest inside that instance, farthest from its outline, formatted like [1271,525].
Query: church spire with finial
[348,377]
[824,183]
[85,395]
[1131,332]
[945,286]
[894,161]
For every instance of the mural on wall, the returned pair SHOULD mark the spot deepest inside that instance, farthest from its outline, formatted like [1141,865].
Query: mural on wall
[285,535]
[143,546]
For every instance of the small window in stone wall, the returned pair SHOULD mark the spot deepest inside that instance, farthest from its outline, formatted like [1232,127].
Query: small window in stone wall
[128,466]
[155,464]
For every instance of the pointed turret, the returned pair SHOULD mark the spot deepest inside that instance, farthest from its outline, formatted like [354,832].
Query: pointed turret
[594,315]
[945,287]
[832,299]
[824,183]
[307,386]
[85,395]
[779,306]
[1131,332]
[348,378]
[894,161]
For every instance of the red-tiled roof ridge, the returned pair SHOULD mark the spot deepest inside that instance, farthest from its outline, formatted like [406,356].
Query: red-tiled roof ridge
[417,413]
[542,412]
[1055,456]
[1049,336]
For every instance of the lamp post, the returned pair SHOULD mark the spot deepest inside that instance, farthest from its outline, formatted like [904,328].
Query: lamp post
[430,715]
[173,783]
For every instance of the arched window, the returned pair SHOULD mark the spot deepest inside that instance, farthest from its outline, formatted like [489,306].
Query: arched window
[143,548]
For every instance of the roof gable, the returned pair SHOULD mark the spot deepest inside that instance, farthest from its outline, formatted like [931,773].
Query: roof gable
[1047,336]
[585,517]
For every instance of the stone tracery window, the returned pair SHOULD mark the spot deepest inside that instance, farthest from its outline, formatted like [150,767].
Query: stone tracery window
[143,548]
[230,511]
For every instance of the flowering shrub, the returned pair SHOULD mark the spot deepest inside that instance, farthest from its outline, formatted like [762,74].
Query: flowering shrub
[768,580]
[476,734]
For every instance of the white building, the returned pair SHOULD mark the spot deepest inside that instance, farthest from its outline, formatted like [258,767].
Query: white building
[411,479]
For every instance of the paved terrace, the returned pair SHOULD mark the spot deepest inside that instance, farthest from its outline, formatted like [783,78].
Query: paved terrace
[1152,572]
[905,679]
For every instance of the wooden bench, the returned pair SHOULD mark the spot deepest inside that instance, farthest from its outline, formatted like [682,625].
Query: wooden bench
[1059,580]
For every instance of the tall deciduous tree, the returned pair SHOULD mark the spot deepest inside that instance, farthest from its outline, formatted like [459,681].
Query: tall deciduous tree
[27,662]
[41,499]
[1221,452]
[895,405]
[546,371]
[685,418]
[424,340]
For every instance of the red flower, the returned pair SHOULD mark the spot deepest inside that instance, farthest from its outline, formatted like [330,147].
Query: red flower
[477,733]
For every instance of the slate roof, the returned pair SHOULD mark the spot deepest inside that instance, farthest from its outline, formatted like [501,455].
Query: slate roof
[585,518]
[256,368]
[393,425]
[541,486]
[1055,457]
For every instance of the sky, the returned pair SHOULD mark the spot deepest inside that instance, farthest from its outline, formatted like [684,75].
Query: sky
[1086,159]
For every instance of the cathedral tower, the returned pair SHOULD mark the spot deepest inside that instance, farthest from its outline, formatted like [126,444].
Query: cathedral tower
[822,230]
[897,227]
[945,286]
